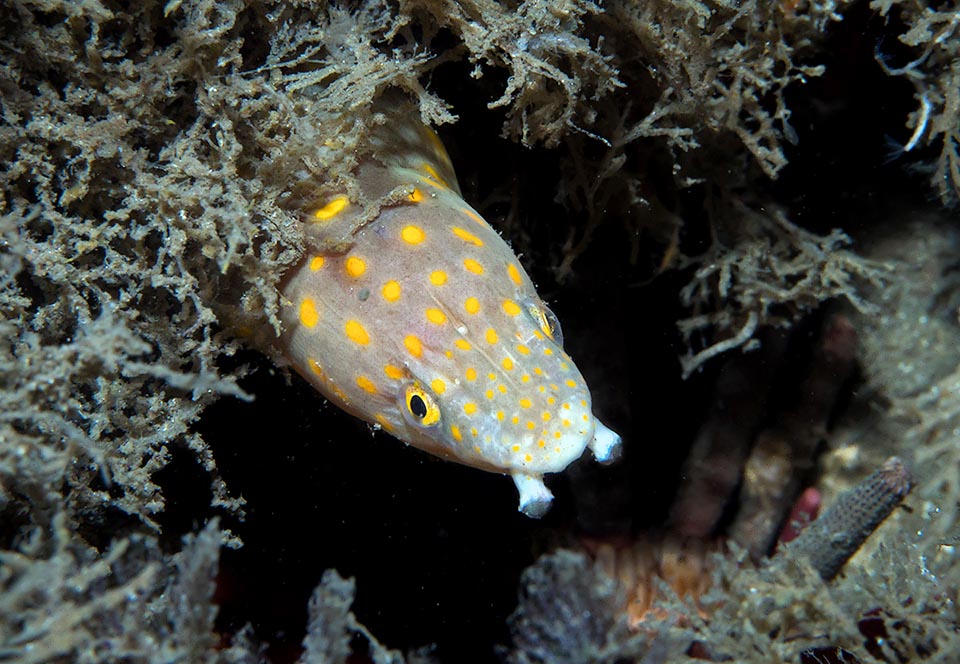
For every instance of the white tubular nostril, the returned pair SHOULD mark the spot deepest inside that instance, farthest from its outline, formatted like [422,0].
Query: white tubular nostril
[606,444]
[535,497]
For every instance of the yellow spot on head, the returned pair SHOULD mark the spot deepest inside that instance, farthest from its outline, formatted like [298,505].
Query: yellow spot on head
[469,408]
[488,394]
[412,234]
[434,183]
[511,308]
[414,345]
[315,367]
[393,372]
[514,274]
[548,351]
[438,386]
[391,291]
[432,172]
[472,266]
[455,432]
[525,403]
[384,422]
[473,215]
[527,457]
[525,378]
[341,396]
[500,415]
[355,266]
[308,313]
[473,431]
[466,236]
[462,344]
[332,209]
[541,444]
[366,384]
[523,350]
[546,416]
[502,388]
[538,371]
[472,305]
[316,263]
[515,448]
[471,373]
[356,333]
[491,336]
[438,277]
[515,419]
[531,425]
[436,316]
[551,400]
[437,145]
[507,363]
[570,382]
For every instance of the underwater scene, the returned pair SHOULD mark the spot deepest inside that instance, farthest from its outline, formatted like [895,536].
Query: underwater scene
[439,332]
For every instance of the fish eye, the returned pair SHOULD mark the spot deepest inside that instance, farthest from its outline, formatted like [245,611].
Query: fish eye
[547,321]
[421,407]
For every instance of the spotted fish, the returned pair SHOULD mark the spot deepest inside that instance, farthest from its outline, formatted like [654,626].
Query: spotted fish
[419,318]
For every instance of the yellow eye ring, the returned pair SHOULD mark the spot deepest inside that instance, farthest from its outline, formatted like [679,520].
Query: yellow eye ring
[421,407]
[547,321]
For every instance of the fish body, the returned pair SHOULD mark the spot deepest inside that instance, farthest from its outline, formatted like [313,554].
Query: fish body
[422,321]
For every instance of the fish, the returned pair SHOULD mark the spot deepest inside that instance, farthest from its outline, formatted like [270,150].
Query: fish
[417,317]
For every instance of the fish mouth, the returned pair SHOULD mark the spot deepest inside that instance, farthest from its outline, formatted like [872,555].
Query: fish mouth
[535,498]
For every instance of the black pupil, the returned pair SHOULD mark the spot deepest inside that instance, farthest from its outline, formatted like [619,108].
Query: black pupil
[417,406]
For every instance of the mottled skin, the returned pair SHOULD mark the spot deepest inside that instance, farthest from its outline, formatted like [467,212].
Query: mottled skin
[425,323]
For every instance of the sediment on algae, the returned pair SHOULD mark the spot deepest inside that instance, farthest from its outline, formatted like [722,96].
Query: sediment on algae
[146,219]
